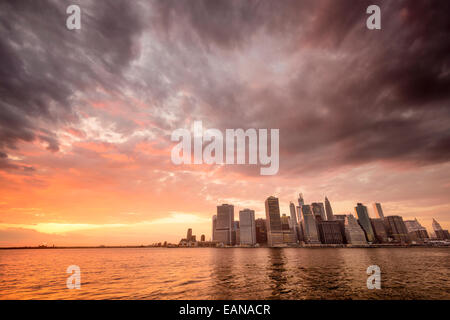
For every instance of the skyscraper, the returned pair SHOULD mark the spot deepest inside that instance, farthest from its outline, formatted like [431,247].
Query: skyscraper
[300,200]
[330,232]
[341,219]
[440,233]
[396,228]
[354,234]
[328,210]
[436,226]
[261,231]
[235,240]
[189,235]
[319,211]
[378,210]
[273,222]
[364,221]
[379,230]
[247,228]
[287,231]
[214,223]
[308,226]
[415,230]
[202,238]
[294,221]
[224,224]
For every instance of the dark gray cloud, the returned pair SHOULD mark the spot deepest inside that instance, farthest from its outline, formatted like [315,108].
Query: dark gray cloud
[345,95]
[46,67]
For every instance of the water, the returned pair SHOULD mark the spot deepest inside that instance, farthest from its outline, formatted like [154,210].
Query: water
[209,273]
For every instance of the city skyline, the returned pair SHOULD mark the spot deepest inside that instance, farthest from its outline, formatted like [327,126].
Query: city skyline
[316,224]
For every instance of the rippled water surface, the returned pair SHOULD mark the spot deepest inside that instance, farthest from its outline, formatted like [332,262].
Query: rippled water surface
[209,273]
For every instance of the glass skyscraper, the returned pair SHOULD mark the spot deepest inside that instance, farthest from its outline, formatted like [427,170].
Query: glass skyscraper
[364,221]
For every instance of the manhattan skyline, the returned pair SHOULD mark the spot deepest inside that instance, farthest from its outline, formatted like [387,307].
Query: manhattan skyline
[86,115]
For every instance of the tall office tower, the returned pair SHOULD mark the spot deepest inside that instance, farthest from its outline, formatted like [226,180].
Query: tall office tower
[328,210]
[294,221]
[341,219]
[396,228]
[299,213]
[330,232]
[224,224]
[364,221]
[378,210]
[235,233]
[308,226]
[247,228]
[193,238]
[300,200]
[289,236]
[189,235]
[285,222]
[273,222]
[214,223]
[379,230]
[319,211]
[261,231]
[416,231]
[354,234]
[436,225]
[440,233]
[202,238]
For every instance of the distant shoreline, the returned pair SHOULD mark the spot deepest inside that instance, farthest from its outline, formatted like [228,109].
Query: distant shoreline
[322,246]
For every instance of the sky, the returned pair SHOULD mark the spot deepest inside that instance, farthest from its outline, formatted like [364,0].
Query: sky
[86,115]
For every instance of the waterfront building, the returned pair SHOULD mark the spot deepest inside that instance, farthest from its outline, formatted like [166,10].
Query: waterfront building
[301,201]
[293,217]
[354,234]
[235,233]
[341,219]
[379,230]
[293,221]
[289,236]
[436,226]
[202,238]
[440,233]
[189,235]
[378,211]
[330,232]
[285,222]
[225,224]
[273,222]
[364,221]
[318,211]
[214,222]
[261,231]
[308,226]
[396,229]
[328,210]
[416,231]
[247,228]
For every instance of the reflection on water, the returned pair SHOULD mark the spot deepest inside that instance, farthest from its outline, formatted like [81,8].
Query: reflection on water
[207,273]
